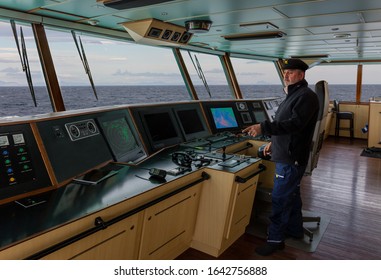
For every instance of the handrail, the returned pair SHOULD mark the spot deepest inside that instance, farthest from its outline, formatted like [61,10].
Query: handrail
[240,179]
[100,224]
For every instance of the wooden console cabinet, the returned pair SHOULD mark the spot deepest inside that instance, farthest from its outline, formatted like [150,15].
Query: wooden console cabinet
[374,130]
[224,209]
[168,226]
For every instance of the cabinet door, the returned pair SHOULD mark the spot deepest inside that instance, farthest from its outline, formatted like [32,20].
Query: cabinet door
[241,209]
[169,225]
[116,242]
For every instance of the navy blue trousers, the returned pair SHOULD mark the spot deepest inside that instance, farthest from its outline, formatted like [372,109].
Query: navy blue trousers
[286,214]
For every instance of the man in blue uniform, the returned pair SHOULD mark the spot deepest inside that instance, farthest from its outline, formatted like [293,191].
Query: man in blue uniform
[291,136]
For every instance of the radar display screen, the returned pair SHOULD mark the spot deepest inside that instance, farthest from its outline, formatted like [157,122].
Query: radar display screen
[119,136]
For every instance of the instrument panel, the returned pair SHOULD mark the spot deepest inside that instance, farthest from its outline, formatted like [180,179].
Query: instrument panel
[76,144]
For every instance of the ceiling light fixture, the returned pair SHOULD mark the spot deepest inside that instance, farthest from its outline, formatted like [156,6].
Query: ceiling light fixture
[93,22]
[341,35]
[255,36]
[130,4]
[311,56]
[266,25]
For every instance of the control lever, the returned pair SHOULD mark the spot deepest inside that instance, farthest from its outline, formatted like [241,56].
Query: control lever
[223,153]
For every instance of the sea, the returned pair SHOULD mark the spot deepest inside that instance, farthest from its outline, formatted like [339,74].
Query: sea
[17,101]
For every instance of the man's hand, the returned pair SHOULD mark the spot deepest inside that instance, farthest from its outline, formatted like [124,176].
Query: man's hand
[253,130]
[267,149]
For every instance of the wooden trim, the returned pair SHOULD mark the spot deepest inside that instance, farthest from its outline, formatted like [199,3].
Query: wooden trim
[48,68]
[230,76]
[359,83]
[278,67]
[44,155]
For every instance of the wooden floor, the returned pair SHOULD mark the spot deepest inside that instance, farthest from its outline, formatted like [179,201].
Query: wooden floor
[344,186]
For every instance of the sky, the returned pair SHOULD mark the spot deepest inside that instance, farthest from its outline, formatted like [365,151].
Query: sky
[120,63]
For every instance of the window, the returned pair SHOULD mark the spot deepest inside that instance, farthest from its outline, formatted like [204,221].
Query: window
[371,84]
[257,79]
[207,75]
[122,72]
[341,80]
[15,95]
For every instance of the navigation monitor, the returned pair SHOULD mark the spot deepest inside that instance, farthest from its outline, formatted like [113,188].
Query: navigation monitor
[160,127]
[121,139]
[192,123]
[224,118]
[260,116]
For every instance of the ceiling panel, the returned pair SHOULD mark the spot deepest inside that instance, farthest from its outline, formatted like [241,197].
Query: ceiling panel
[328,7]
[310,25]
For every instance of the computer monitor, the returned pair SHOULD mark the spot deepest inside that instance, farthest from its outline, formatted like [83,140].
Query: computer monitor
[192,122]
[160,126]
[224,118]
[122,140]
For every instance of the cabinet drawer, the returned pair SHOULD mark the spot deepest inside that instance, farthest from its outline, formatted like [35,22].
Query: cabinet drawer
[116,242]
[242,205]
[168,226]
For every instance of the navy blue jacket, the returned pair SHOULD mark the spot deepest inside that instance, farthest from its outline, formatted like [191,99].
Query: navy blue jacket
[294,124]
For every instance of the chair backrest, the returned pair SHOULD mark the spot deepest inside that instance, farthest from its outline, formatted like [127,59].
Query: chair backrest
[321,90]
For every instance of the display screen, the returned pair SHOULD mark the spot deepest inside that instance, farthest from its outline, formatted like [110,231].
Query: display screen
[224,117]
[160,126]
[119,137]
[260,116]
[190,121]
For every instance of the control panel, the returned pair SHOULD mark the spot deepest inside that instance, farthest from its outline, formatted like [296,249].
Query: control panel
[21,166]
[272,106]
[81,129]
[15,162]
[73,144]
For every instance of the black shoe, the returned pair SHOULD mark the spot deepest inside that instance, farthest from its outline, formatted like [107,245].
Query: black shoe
[269,248]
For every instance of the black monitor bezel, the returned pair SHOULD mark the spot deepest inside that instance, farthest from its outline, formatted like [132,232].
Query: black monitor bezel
[133,155]
[208,108]
[157,145]
[191,136]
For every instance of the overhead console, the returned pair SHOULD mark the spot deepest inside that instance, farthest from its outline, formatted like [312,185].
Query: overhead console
[22,169]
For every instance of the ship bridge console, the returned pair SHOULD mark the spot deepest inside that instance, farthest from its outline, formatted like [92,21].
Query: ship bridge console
[64,167]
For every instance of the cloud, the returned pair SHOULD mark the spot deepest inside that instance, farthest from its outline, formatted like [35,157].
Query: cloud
[118,59]
[126,73]
[251,74]
[9,84]
[213,71]
[10,70]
